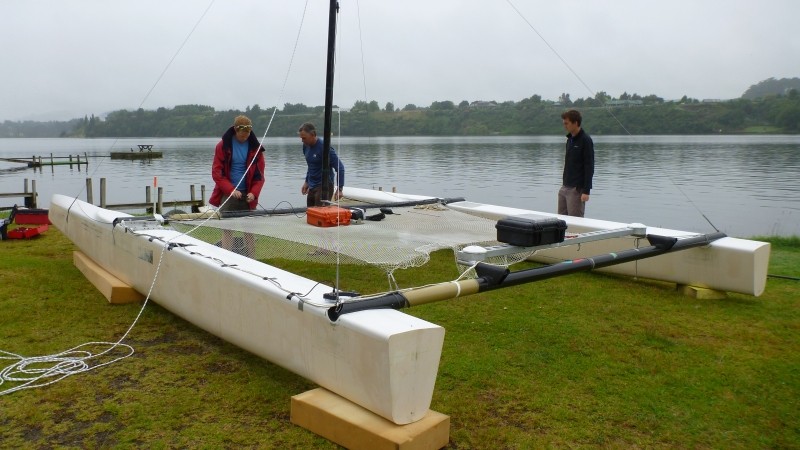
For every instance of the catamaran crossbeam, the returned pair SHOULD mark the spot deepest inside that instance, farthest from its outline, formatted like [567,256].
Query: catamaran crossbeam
[494,277]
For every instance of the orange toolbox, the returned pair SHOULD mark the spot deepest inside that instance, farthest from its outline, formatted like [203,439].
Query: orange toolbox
[328,216]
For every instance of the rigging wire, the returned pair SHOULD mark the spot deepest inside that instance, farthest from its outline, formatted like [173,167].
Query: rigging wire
[272,117]
[606,107]
[336,284]
[338,201]
[564,61]
[288,71]
[177,52]
[157,81]
[33,371]
[361,43]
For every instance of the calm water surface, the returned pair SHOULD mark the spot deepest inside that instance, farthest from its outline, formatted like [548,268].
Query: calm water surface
[742,185]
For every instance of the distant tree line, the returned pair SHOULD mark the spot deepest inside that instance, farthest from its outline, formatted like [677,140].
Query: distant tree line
[774,108]
[771,86]
[34,129]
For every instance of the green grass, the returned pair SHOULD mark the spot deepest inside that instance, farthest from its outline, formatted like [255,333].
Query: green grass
[585,360]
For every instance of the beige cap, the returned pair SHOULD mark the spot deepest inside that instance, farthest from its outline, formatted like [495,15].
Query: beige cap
[242,120]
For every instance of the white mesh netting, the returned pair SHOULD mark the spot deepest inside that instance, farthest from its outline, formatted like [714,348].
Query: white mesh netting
[405,238]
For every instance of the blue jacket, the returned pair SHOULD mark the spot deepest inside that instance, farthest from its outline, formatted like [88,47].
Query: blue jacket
[313,156]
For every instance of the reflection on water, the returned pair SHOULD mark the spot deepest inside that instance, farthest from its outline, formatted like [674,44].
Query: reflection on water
[742,185]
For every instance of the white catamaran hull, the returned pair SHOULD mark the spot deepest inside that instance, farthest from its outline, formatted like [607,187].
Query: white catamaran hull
[728,264]
[383,360]
[361,195]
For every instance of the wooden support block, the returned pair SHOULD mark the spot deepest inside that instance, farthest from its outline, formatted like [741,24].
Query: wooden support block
[349,425]
[112,288]
[701,293]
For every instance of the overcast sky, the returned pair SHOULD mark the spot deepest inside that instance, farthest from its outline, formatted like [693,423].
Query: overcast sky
[66,59]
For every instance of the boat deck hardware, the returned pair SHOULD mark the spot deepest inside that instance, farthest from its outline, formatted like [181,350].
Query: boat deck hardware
[473,253]
[141,223]
[334,295]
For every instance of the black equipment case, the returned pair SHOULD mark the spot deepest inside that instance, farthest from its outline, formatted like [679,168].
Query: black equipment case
[525,232]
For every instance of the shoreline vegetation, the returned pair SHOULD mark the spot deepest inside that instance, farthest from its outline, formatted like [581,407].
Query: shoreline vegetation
[770,107]
[585,360]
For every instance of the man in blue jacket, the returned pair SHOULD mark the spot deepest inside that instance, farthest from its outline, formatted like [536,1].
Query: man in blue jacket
[312,186]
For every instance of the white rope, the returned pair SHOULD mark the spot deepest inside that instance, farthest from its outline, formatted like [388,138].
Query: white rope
[34,371]
[458,288]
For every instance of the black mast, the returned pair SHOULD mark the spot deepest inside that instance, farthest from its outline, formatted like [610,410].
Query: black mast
[326,137]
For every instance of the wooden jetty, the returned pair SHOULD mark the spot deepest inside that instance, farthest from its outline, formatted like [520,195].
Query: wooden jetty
[145,152]
[148,205]
[41,161]
[29,197]
[194,203]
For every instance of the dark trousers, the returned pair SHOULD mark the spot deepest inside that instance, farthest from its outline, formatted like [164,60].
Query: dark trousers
[315,196]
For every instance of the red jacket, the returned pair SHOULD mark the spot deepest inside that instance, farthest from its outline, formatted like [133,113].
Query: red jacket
[221,169]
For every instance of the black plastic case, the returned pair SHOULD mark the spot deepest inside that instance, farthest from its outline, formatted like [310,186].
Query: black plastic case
[530,233]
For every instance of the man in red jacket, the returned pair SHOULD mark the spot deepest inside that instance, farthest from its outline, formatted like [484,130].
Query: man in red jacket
[238,173]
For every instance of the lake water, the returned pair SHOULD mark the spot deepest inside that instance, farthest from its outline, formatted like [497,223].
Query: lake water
[742,185]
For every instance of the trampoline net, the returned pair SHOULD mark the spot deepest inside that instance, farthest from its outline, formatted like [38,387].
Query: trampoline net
[403,239]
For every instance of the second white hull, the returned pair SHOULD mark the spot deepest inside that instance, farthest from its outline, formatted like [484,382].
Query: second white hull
[728,264]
